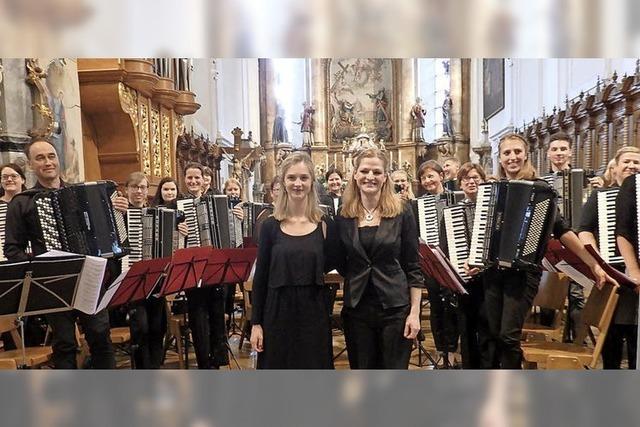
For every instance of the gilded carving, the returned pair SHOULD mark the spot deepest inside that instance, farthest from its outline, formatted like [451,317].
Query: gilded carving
[144,140]
[36,76]
[166,145]
[156,156]
[129,102]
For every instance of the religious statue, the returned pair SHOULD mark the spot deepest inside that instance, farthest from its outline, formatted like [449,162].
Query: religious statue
[307,124]
[381,117]
[418,114]
[447,126]
[279,133]
[380,100]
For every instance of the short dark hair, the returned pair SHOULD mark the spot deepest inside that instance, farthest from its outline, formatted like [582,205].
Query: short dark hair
[467,168]
[561,136]
[27,148]
[429,164]
[331,171]
[274,181]
[193,165]
[17,170]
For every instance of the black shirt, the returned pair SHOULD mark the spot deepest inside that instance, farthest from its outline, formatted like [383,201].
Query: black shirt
[285,260]
[627,213]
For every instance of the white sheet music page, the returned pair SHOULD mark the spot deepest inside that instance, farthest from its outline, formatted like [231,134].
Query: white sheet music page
[88,294]
[110,292]
[575,275]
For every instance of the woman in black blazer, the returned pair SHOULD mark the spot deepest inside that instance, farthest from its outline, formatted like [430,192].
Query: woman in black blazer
[378,258]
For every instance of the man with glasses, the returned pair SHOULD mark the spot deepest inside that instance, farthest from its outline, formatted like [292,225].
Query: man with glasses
[22,230]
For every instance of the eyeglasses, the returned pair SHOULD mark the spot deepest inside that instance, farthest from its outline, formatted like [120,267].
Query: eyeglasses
[139,187]
[472,178]
[13,177]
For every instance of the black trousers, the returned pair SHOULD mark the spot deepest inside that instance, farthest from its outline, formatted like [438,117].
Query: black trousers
[614,343]
[97,333]
[206,320]
[375,336]
[443,316]
[475,345]
[148,328]
[508,299]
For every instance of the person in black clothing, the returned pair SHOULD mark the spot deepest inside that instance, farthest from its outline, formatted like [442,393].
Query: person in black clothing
[378,258]
[442,301]
[205,305]
[472,318]
[509,292]
[291,324]
[623,325]
[22,230]
[333,198]
[166,194]
[148,317]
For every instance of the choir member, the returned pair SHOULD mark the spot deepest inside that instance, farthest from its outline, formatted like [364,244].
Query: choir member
[450,169]
[333,198]
[402,184]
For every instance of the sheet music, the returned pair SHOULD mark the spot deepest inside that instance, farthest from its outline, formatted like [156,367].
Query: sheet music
[575,275]
[110,292]
[88,294]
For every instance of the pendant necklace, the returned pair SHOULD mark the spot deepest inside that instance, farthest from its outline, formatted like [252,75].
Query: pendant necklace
[369,214]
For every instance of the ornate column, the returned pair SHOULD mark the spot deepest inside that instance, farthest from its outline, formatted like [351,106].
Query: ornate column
[405,84]
[460,111]
[318,76]
[267,117]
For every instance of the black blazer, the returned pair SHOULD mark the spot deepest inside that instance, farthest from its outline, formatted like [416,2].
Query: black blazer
[393,267]
[328,199]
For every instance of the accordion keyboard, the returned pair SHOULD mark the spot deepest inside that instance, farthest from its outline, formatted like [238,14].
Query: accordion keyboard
[456,231]
[607,225]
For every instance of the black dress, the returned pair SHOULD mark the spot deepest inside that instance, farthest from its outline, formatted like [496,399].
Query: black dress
[290,300]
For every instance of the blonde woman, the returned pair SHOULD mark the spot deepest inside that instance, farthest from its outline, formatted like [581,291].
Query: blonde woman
[291,325]
[402,184]
[379,261]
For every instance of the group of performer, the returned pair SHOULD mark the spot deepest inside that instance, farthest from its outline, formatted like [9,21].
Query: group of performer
[369,234]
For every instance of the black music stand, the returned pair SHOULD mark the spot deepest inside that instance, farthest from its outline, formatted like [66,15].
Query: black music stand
[229,266]
[41,286]
[184,273]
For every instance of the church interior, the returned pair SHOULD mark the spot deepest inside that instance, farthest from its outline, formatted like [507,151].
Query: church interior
[109,117]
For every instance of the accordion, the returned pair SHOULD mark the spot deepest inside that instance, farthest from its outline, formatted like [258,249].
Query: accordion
[607,226]
[3,219]
[512,224]
[210,222]
[425,211]
[569,184]
[153,233]
[80,219]
[456,232]
[251,213]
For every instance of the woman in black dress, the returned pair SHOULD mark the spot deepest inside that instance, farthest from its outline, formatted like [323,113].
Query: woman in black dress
[379,261]
[291,325]
[509,292]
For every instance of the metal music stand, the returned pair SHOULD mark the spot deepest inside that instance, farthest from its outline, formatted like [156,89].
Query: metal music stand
[41,286]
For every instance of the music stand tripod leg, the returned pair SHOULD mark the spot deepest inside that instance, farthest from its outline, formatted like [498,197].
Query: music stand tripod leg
[26,285]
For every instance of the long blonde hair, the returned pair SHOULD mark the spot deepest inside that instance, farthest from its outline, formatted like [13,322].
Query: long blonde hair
[390,205]
[527,171]
[281,204]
